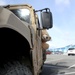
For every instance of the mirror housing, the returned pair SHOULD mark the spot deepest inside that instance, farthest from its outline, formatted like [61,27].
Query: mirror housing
[46,20]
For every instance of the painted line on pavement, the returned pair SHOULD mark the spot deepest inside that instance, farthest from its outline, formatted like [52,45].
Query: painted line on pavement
[71,66]
[70,73]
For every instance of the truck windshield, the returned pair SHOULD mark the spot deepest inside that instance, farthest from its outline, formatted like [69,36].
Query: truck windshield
[23,14]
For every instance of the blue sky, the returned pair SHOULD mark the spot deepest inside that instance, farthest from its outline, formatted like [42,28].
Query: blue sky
[63,31]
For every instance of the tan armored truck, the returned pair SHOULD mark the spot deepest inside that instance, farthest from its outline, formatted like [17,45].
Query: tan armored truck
[22,41]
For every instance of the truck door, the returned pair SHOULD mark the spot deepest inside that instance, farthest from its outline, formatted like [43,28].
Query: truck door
[39,46]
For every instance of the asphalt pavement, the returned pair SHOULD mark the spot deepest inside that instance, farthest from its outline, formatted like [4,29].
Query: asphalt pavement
[59,65]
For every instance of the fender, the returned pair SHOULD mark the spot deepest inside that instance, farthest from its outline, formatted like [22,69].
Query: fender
[9,20]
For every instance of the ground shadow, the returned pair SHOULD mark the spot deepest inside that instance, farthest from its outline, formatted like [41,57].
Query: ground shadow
[50,69]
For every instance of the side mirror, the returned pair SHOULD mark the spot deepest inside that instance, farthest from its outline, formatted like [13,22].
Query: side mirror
[46,20]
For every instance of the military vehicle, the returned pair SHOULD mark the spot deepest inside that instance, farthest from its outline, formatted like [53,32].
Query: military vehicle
[21,40]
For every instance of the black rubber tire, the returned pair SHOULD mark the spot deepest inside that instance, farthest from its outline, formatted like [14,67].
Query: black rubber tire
[68,54]
[16,68]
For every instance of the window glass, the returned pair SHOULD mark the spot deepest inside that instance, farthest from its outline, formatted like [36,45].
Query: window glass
[71,49]
[23,14]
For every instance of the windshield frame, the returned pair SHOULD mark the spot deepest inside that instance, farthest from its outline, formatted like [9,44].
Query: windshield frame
[25,6]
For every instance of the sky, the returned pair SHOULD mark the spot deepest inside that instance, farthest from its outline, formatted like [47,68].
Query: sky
[63,31]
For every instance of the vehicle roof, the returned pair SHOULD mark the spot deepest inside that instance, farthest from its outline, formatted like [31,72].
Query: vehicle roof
[17,6]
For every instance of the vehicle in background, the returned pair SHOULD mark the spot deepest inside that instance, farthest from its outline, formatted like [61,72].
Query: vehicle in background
[48,52]
[71,51]
[58,52]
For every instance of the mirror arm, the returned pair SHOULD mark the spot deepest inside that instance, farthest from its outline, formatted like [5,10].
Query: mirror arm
[42,10]
[40,29]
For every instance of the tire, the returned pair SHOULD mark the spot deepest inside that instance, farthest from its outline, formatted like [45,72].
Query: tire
[15,69]
[68,54]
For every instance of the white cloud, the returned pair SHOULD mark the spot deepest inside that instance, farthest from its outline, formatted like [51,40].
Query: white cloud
[57,37]
[55,30]
[60,37]
[2,2]
[64,2]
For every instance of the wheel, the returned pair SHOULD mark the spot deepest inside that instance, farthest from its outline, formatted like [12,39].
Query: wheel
[16,68]
[68,54]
